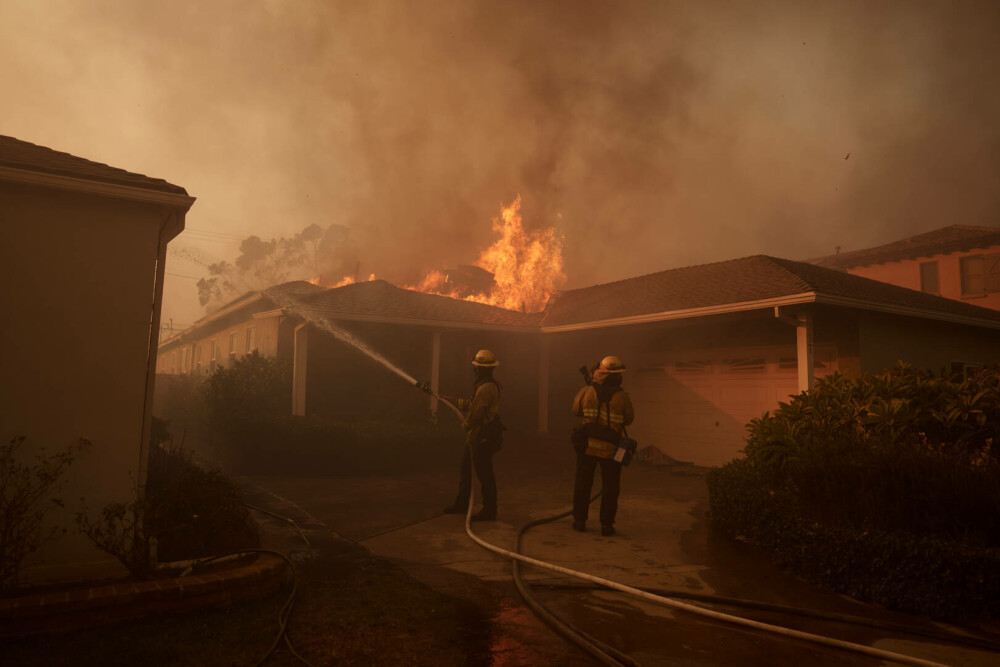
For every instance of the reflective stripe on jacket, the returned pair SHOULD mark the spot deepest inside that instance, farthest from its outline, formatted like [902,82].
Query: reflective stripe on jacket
[617,413]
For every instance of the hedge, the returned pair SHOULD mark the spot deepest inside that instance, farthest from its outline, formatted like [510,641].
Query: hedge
[919,574]
[885,487]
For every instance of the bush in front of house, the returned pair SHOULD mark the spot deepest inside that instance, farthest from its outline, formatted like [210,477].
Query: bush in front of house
[252,385]
[193,512]
[291,445]
[26,492]
[248,428]
[885,487]
[189,511]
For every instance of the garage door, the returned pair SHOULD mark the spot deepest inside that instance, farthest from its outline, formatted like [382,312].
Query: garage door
[695,408]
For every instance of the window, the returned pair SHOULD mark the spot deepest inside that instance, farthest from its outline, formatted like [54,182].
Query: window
[215,353]
[991,269]
[929,280]
[197,358]
[973,278]
[965,368]
[251,339]
[173,363]
[700,366]
[789,364]
[234,342]
[755,365]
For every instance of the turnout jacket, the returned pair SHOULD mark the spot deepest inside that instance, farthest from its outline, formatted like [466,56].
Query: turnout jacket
[616,413]
[480,410]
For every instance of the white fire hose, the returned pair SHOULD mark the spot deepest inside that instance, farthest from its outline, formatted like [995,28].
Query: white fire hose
[676,604]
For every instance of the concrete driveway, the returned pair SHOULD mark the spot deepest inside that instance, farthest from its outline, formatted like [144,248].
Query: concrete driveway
[663,541]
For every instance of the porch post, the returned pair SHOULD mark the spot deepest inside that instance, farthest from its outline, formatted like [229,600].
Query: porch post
[300,345]
[543,384]
[804,350]
[435,372]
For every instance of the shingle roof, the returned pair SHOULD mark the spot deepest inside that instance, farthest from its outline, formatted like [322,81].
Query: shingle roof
[954,238]
[276,295]
[30,157]
[382,300]
[734,282]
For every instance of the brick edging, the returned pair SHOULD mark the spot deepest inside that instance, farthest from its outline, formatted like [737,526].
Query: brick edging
[78,608]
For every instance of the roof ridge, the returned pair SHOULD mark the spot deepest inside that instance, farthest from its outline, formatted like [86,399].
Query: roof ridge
[663,271]
[781,263]
[908,241]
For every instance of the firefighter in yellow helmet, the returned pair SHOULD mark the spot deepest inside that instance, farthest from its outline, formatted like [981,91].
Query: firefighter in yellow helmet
[484,436]
[606,410]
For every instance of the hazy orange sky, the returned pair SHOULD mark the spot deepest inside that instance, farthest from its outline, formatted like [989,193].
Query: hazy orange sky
[652,134]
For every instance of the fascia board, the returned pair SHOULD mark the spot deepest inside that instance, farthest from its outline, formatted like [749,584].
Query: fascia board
[792,299]
[208,319]
[438,324]
[264,314]
[909,311]
[100,188]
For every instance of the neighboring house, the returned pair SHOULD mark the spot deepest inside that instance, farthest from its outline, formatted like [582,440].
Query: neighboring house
[958,262]
[82,250]
[292,322]
[710,347]
[707,347]
[254,322]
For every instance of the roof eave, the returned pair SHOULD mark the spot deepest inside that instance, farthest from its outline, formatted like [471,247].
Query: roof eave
[208,319]
[687,313]
[100,188]
[909,311]
[414,321]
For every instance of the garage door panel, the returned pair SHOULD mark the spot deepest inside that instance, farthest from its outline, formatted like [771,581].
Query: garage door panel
[697,411]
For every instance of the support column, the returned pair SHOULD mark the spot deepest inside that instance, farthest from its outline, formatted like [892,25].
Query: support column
[543,384]
[804,350]
[435,372]
[300,350]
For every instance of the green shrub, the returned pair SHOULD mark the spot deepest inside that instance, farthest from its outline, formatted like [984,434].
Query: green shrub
[190,512]
[253,385]
[24,487]
[886,487]
[291,445]
[902,450]
[920,574]
[193,512]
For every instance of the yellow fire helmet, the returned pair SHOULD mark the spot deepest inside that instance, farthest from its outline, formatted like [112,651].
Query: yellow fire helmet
[612,364]
[485,358]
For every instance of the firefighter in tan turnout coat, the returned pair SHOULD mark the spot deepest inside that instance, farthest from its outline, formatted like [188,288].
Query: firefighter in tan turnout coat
[484,435]
[606,409]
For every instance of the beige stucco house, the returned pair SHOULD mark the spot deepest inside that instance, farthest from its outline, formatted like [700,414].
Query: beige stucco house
[959,262]
[707,347]
[82,249]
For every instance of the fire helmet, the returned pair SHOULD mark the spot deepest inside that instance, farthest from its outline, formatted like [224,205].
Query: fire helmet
[611,364]
[485,358]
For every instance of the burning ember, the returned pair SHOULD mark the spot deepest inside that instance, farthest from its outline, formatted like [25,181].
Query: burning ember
[526,268]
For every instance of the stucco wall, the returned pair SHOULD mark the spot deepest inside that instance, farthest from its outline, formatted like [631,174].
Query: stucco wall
[272,339]
[886,339]
[906,273]
[78,275]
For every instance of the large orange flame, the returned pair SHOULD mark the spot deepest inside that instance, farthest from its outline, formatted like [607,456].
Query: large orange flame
[527,267]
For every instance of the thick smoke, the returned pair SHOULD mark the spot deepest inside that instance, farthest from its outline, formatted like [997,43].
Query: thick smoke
[652,134]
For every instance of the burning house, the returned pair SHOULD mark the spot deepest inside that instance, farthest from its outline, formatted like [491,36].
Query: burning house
[707,347]
[82,249]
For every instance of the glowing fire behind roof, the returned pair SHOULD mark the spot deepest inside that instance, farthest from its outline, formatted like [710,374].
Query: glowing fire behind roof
[527,267]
